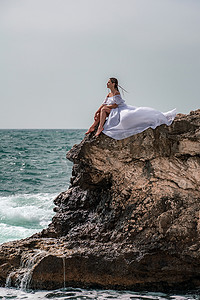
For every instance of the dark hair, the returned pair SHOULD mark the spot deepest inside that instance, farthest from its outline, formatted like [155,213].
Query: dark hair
[115,81]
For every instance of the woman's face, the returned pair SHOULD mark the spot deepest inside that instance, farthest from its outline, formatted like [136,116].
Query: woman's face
[109,84]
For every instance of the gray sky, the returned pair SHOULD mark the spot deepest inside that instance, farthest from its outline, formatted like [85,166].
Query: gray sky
[57,55]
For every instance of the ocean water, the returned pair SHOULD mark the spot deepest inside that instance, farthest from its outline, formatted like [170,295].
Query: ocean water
[33,171]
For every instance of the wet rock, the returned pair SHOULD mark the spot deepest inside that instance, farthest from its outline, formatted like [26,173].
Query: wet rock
[130,218]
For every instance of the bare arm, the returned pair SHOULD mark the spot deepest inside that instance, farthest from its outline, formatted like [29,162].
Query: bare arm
[109,106]
[99,109]
[112,106]
[104,105]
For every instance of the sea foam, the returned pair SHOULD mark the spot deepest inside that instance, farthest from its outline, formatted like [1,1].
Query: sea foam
[23,215]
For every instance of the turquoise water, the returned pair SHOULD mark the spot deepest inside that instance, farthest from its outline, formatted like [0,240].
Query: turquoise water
[33,171]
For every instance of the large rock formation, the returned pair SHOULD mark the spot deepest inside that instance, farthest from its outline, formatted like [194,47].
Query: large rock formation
[130,218]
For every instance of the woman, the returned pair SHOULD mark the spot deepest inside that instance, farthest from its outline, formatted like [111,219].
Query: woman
[125,120]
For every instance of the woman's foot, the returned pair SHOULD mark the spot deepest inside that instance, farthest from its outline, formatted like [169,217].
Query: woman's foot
[91,129]
[99,130]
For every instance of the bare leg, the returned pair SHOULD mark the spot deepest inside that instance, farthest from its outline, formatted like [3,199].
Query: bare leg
[103,114]
[92,127]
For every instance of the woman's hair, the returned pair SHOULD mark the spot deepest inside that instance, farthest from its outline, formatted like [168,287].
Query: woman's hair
[115,81]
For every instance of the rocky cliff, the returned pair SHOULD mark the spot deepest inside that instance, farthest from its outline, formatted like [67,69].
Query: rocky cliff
[130,218]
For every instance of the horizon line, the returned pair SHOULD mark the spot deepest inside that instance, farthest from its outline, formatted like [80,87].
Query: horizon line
[43,128]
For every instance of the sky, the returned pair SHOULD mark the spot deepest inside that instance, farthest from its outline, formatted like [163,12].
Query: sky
[56,57]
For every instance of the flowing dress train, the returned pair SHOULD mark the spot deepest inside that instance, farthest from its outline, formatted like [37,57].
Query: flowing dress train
[127,120]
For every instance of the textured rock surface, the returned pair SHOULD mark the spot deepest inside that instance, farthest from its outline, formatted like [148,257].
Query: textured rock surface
[130,219]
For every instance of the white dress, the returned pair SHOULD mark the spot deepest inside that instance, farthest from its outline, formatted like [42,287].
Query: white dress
[127,120]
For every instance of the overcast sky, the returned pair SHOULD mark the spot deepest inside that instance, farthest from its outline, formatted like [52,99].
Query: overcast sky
[57,55]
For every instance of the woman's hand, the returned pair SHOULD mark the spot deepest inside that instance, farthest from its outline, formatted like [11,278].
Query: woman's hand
[96,115]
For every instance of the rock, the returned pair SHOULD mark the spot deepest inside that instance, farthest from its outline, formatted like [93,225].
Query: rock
[129,220]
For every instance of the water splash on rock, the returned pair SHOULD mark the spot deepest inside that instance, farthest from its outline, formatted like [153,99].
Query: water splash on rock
[27,266]
[21,277]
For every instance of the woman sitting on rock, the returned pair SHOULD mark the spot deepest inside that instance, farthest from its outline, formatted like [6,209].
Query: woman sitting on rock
[125,120]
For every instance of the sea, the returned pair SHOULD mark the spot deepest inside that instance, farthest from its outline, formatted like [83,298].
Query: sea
[33,171]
